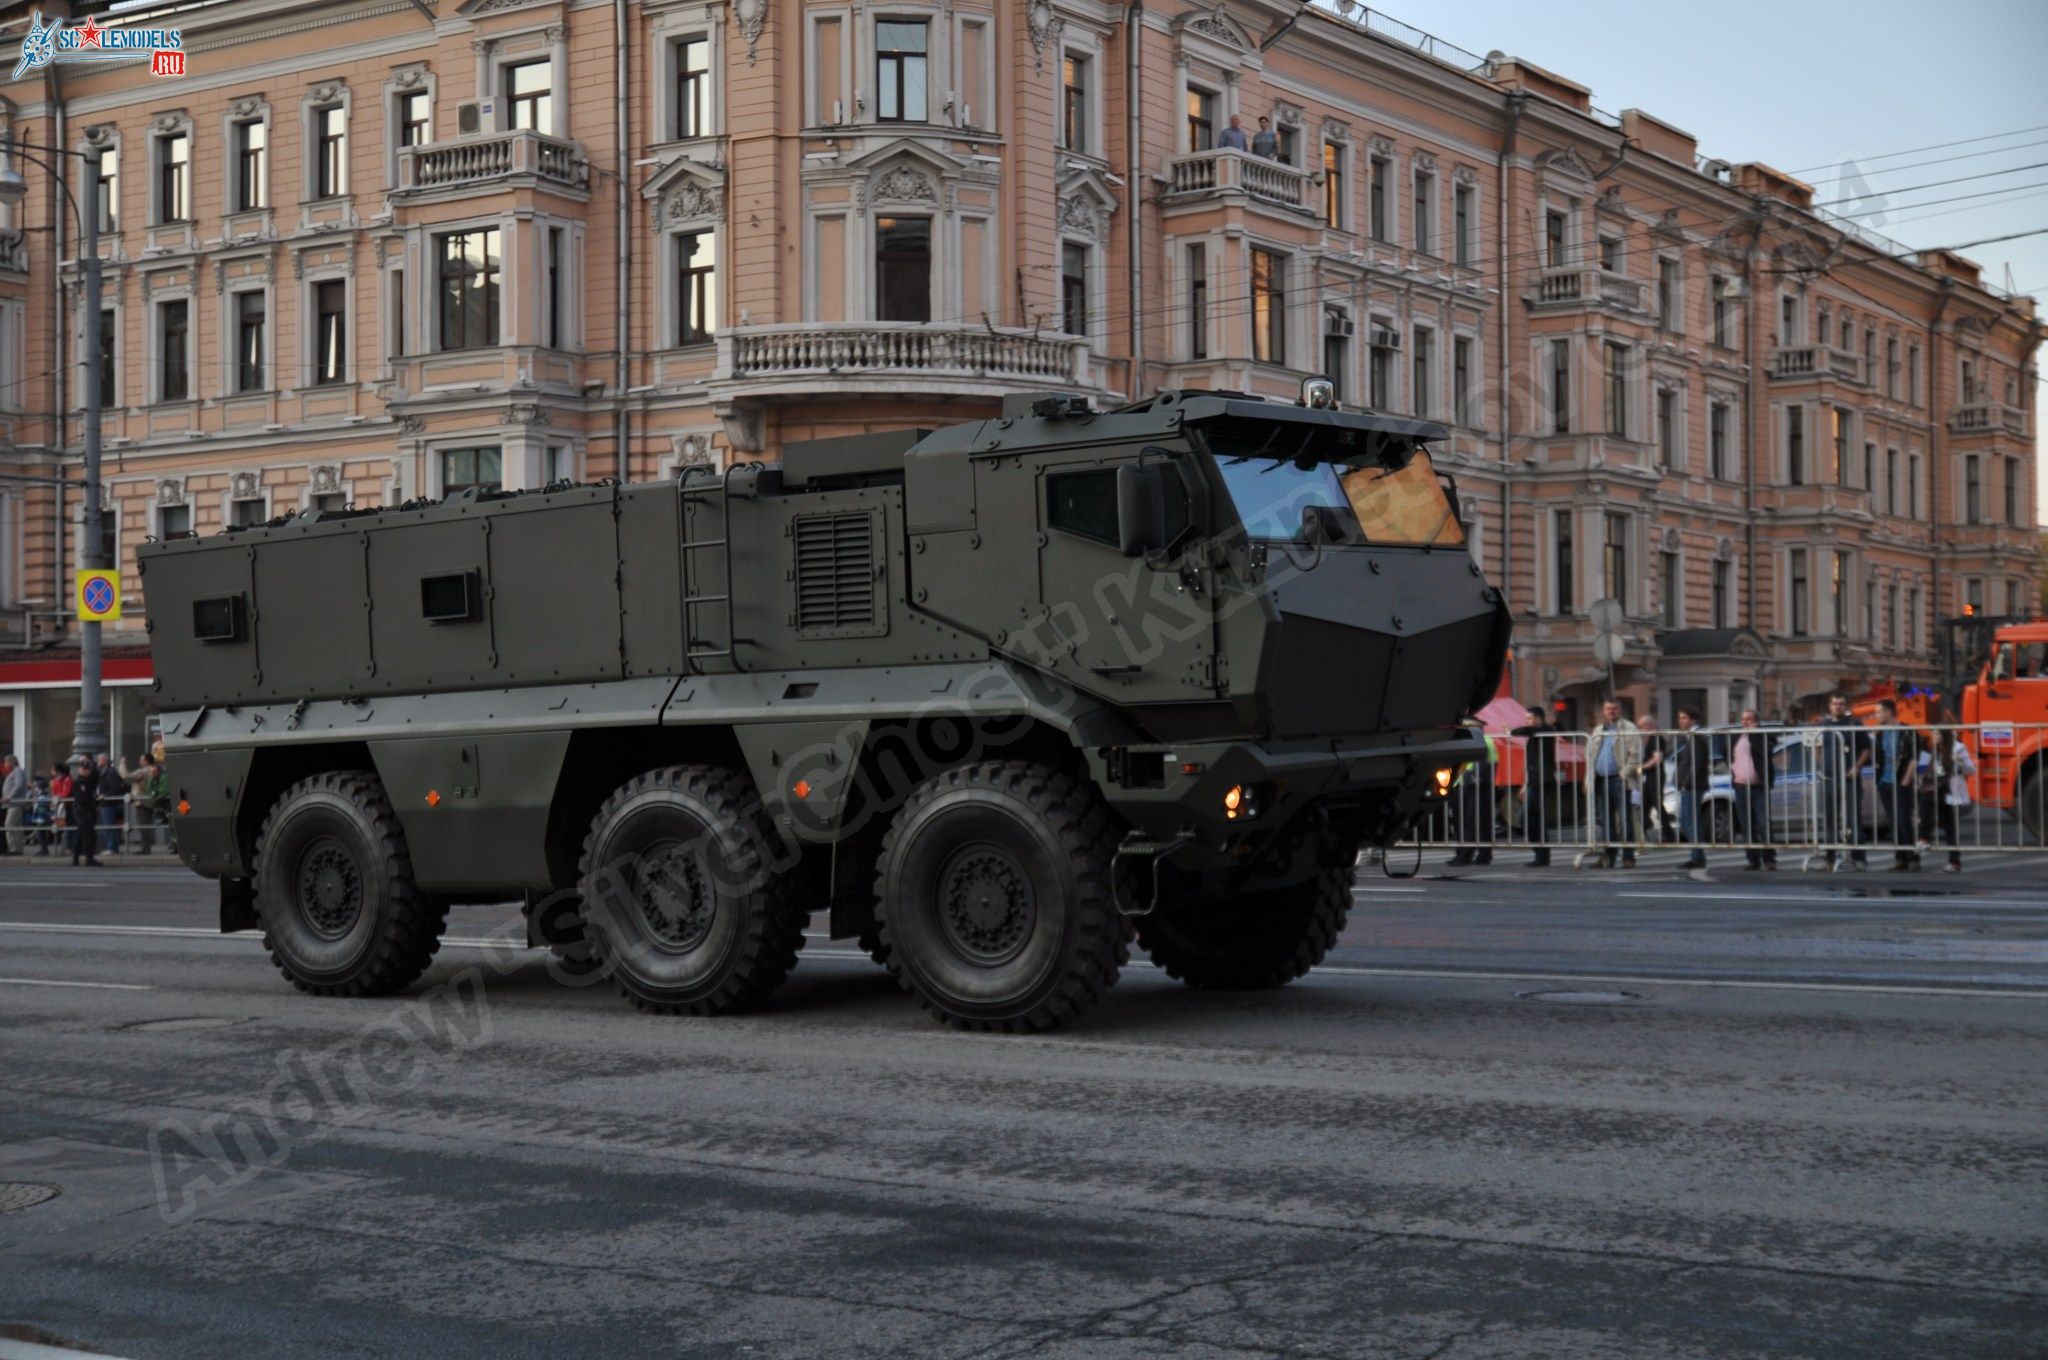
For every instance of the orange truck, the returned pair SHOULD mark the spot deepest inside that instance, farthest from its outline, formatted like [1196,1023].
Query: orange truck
[1995,680]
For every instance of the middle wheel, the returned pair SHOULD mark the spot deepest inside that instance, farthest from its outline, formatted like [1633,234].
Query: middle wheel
[995,906]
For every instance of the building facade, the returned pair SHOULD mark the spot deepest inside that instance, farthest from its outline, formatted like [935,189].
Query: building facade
[364,251]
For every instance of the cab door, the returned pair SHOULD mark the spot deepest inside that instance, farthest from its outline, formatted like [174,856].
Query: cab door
[1140,631]
[2012,707]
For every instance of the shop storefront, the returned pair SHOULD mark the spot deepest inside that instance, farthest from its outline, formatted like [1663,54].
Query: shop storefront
[39,705]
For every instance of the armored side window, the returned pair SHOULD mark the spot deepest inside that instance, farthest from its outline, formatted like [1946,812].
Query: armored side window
[219,618]
[452,597]
[1083,503]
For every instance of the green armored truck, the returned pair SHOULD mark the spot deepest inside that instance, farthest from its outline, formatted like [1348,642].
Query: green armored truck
[995,697]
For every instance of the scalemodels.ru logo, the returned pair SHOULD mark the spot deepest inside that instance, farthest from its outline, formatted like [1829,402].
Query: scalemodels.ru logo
[162,48]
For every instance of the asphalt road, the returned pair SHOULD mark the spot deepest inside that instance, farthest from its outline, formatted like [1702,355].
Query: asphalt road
[1519,1115]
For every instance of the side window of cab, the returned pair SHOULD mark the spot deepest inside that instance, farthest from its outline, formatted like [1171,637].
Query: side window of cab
[1083,502]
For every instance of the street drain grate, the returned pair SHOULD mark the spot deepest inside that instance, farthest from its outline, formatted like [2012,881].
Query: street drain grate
[1581,998]
[16,1195]
[184,1022]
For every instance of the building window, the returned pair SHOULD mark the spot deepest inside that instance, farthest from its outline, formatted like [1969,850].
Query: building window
[1891,369]
[530,96]
[1667,428]
[330,332]
[245,511]
[330,151]
[1668,587]
[556,297]
[1554,240]
[1425,213]
[174,178]
[1788,321]
[1376,196]
[1198,301]
[693,87]
[1617,389]
[1973,489]
[252,165]
[1891,481]
[901,46]
[1912,486]
[1201,120]
[1337,349]
[1838,431]
[1380,384]
[1286,142]
[1669,296]
[106,176]
[328,500]
[482,468]
[1614,559]
[1464,223]
[1561,560]
[173,350]
[1968,383]
[1973,595]
[251,318]
[1333,184]
[1610,254]
[1074,288]
[1870,467]
[1799,587]
[109,339]
[1269,307]
[696,288]
[1838,593]
[1891,617]
[1913,634]
[903,268]
[2015,512]
[415,119]
[1724,312]
[173,521]
[468,271]
[395,333]
[1422,385]
[1723,597]
[1461,380]
[1795,446]
[1717,441]
[1913,375]
[1561,386]
[1074,102]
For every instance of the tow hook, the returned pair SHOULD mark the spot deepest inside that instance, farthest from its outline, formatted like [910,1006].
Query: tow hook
[1153,852]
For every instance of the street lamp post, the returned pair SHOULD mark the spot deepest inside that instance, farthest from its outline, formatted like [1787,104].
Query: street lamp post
[89,733]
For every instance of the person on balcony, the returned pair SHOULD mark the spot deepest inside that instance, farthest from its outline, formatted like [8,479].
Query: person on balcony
[1234,135]
[1264,143]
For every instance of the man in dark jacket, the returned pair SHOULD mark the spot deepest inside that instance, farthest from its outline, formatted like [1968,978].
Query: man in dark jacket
[1540,791]
[113,792]
[1693,753]
[85,813]
[1749,765]
[1895,751]
[1844,752]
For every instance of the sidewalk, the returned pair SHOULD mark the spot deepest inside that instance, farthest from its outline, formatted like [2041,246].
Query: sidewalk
[62,857]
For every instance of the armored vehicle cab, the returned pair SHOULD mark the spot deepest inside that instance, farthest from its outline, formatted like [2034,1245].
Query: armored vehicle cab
[994,696]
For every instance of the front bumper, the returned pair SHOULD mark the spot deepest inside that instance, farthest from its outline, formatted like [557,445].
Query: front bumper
[1176,791]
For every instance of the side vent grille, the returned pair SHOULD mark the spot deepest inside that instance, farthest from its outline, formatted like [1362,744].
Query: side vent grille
[837,590]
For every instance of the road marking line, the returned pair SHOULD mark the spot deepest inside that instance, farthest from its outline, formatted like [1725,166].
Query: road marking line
[101,986]
[1824,896]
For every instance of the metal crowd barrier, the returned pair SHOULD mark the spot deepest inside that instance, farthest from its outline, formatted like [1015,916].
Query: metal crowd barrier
[1825,796]
[40,823]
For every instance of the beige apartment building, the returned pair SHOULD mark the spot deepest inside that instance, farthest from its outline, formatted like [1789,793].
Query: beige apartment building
[364,251]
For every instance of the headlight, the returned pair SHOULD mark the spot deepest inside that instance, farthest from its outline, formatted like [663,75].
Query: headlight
[1240,802]
[1443,781]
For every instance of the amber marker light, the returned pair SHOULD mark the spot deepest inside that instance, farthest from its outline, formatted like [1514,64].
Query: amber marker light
[802,788]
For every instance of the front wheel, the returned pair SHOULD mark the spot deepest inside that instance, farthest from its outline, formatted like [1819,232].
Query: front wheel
[334,890]
[995,906]
[682,897]
[1250,941]
[2033,807]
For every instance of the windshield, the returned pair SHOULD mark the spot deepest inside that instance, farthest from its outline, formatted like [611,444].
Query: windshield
[1405,506]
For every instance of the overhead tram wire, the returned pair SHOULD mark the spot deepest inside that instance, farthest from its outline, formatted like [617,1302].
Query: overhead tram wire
[1916,150]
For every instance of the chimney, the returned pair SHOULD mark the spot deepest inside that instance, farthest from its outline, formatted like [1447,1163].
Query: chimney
[1754,177]
[1659,138]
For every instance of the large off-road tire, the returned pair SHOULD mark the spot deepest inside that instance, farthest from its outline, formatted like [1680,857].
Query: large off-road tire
[334,890]
[1253,941]
[2033,805]
[870,941]
[995,906]
[682,897]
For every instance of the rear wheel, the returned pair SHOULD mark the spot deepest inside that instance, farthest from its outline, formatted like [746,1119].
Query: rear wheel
[2033,808]
[995,902]
[1252,941]
[334,890]
[682,899]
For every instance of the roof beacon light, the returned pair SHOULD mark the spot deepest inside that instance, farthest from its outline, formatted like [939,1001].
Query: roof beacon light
[1319,394]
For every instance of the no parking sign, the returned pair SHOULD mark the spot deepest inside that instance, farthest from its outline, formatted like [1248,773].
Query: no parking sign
[99,596]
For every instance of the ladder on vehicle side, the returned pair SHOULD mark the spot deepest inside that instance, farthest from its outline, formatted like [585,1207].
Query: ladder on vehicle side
[696,648]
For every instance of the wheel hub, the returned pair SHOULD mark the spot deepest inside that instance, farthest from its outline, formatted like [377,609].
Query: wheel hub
[986,904]
[676,900]
[330,888]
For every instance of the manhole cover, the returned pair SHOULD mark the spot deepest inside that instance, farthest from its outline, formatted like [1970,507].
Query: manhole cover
[182,1022]
[23,1195]
[1579,998]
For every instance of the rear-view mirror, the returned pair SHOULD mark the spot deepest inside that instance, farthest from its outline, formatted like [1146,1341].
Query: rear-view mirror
[1140,508]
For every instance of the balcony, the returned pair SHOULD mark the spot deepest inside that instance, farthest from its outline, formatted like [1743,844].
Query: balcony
[1988,417]
[1573,288]
[1799,362]
[1226,172]
[492,160]
[895,357]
